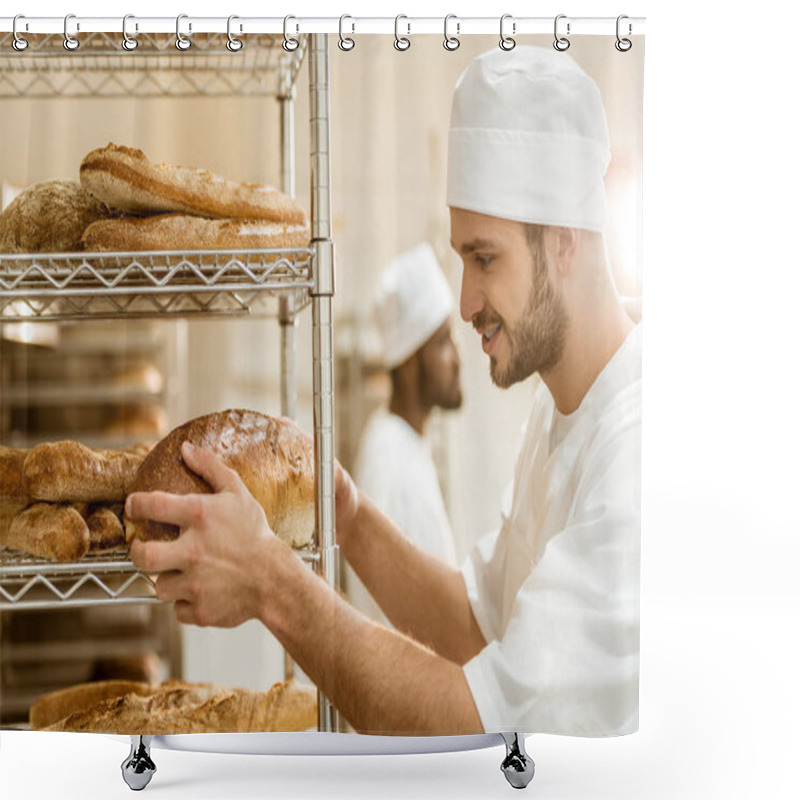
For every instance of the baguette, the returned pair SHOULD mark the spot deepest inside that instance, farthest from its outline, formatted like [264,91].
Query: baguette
[68,471]
[273,457]
[125,179]
[182,232]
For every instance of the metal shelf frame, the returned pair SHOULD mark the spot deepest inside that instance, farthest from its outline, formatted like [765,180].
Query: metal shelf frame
[57,287]
[29,583]
[69,287]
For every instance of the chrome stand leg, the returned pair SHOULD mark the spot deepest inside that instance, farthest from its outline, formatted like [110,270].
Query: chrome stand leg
[518,766]
[138,768]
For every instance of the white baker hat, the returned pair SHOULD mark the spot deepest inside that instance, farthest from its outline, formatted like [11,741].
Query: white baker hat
[528,140]
[413,300]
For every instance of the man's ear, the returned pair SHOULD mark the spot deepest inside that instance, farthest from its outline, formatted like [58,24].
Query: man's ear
[562,246]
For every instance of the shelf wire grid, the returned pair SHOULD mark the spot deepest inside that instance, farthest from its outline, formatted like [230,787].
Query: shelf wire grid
[95,285]
[36,583]
[28,582]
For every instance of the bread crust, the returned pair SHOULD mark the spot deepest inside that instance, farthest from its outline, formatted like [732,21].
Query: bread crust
[126,180]
[273,457]
[175,707]
[49,530]
[183,232]
[106,532]
[49,217]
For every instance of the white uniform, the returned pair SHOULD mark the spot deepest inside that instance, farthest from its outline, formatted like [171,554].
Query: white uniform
[395,469]
[555,591]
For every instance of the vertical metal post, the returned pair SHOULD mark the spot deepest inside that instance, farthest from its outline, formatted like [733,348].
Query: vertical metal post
[322,294]
[286,316]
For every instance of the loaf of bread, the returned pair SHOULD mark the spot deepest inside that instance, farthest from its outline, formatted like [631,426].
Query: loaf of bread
[183,232]
[68,471]
[175,707]
[49,530]
[126,180]
[49,217]
[273,457]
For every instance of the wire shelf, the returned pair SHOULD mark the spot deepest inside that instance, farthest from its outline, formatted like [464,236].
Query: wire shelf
[74,286]
[34,583]
[27,582]
[156,68]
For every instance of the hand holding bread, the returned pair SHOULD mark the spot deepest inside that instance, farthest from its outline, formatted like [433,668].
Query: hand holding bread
[211,571]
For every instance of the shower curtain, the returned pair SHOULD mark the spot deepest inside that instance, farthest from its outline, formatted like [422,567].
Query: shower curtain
[485,216]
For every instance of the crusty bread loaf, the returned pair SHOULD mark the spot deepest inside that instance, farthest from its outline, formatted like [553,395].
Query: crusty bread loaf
[68,471]
[126,180]
[13,497]
[49,530]
[183,232]
[177,707]
[273,457]
[49,217]
[50,708]
[106,532]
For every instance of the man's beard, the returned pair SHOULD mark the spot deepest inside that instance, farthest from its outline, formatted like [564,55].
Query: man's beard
[536,342]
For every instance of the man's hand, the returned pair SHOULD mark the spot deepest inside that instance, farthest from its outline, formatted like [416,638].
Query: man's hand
[215,571]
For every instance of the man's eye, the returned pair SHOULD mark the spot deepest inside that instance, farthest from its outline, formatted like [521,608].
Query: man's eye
[483,260]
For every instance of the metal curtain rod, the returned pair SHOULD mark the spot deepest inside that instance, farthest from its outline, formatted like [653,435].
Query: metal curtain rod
[332,25]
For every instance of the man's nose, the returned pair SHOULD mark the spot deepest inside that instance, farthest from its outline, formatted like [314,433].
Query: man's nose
[471,300]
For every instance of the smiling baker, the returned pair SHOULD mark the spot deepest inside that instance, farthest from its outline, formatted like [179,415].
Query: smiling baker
[539,630]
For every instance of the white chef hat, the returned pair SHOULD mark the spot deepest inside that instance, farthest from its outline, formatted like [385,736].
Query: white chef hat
[528,140]
[413,300]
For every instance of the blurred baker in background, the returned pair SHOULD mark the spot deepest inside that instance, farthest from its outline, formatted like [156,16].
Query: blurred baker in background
[395,466]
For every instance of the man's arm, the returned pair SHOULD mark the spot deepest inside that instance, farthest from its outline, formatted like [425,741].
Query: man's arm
[381,681]
[420,594]
[227,566]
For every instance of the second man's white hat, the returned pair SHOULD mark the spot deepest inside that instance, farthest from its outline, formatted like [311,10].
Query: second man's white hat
[413,300]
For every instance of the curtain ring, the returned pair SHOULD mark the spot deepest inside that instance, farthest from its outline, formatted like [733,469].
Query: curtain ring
[181,42]
[345,42]
[561,43]
[70,42]
[451,43]
[506,42]
[128,42]
[400,42]
[623,45]
[233,44]
[289,44]
[19,43]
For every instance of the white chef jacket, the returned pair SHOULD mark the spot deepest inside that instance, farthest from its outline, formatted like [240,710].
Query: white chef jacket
[395,469]
[555,591]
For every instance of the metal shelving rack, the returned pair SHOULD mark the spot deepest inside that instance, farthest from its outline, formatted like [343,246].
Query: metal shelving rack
[263,283]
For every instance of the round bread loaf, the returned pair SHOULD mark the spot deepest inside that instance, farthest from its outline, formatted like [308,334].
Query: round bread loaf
[184,232]
[49,217]
[126,180]
[273,457]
